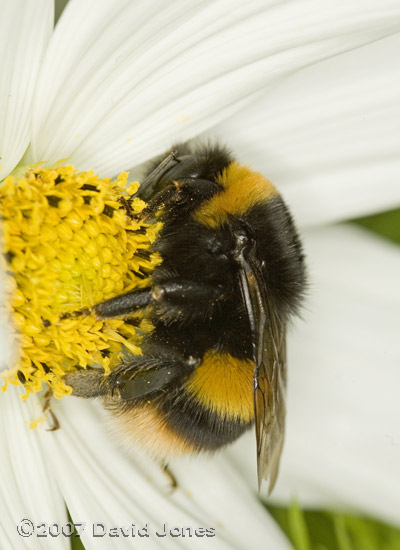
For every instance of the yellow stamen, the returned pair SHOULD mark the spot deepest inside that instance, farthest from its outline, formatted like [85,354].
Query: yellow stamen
[69,243]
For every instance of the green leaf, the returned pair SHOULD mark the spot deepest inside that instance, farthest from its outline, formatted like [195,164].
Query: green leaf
[386,224]
[329,530]
[298,527]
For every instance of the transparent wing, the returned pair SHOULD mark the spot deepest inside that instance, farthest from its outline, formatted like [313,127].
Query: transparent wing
[269,400]
[270,369]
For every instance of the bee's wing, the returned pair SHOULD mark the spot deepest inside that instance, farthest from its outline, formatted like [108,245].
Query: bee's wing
[270,369]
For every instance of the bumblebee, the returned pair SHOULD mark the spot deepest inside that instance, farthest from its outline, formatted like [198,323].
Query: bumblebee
[232,275]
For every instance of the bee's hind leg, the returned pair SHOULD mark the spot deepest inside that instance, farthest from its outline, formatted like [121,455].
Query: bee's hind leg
[47,409]
[173,483]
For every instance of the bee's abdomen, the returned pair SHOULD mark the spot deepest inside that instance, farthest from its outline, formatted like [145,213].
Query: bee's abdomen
[216,404]
[213,409]
[222,384]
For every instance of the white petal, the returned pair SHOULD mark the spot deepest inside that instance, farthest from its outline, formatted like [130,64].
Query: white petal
[100,484]
[25,28]
[28,488]
[343,440]
[329,136]
[123,80]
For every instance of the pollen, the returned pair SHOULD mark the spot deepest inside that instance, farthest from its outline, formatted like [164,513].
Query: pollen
[71,240]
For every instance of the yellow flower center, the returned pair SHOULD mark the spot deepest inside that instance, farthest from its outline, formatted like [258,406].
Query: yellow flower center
[70,241]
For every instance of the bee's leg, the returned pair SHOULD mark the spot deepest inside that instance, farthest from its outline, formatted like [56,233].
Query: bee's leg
[173,483]
[47,409]
[125,203]
[135,380]
[124,304]
[117,306]
[157,201]
[145,376]
[172,299]
[86,382]
[177,299]
[147,186]
[180,194]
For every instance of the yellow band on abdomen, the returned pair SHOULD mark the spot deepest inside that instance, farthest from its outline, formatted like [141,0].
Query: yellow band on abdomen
[224,384]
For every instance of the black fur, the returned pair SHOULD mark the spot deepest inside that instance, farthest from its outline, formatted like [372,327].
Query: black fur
[205,429]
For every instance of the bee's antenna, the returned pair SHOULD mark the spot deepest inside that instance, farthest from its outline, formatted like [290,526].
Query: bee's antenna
[159,170]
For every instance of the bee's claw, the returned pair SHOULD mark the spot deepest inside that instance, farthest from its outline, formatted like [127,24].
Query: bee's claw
[55,422]
[173,483]
[47,409]
[74,314]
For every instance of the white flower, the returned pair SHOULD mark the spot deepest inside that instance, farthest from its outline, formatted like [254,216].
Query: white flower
[305,92]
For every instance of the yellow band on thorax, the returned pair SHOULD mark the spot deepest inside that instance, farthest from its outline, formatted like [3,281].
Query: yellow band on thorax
[242,189]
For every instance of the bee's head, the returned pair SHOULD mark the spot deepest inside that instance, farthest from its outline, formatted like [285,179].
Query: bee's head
[258,219]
